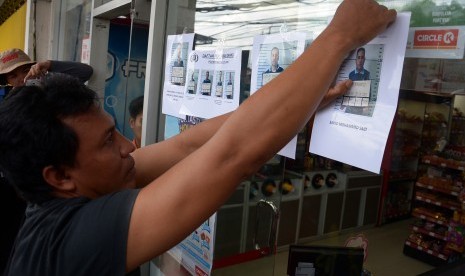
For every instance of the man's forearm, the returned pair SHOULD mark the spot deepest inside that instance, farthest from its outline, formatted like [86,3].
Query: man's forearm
[76,69]
[155,159]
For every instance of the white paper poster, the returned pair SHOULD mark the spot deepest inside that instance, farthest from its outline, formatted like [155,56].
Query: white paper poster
[271,55]
[195,252]
[212,83]
[177,50]
[354,129]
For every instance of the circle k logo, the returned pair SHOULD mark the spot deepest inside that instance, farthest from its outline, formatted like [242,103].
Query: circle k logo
[449,38]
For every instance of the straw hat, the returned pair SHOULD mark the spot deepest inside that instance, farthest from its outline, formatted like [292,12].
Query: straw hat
[12,59]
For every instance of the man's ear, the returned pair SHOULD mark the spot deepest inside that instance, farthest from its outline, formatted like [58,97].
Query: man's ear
[132,122]
[57,178]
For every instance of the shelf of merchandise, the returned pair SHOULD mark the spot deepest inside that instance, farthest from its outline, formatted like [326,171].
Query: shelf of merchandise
[449,191]
[429,233]
[426,215]
[433,257]
[444,163]
[437,201]
[439,255]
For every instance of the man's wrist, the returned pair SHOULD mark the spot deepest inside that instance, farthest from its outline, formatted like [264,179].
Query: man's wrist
[47,65]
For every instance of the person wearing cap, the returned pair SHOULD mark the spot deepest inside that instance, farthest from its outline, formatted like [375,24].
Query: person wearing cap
[16,67]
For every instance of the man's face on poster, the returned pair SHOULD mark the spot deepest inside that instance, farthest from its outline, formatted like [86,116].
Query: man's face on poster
[178,51]
[360,61]
[274,57]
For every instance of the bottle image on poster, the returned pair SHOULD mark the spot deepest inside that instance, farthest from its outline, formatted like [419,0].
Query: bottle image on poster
[210,90]
[178,49]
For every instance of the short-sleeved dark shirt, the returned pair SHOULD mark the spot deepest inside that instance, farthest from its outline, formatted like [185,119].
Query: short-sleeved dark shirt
[75,236]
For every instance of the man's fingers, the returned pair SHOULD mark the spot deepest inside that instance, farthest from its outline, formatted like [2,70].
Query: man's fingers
[340,88]
[336,91]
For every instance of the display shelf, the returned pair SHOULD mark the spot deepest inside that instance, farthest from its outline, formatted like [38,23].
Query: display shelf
[431,252]
[444,162]
[438,195]
[428,232]
[438,201]
[422,214]
[449,190]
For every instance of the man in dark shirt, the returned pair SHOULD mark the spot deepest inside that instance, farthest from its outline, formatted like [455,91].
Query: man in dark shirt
[15,68]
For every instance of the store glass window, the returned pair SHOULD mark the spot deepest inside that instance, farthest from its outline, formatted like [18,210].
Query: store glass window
[73,19]
[423,163]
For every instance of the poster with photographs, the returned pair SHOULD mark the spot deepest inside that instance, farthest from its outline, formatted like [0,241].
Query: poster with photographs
[212,85]
[177,52]
[363,67]
[354,129]
[271,55]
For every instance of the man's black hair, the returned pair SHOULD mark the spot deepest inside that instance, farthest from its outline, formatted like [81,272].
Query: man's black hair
[136,106]
[361,49]
[33,135]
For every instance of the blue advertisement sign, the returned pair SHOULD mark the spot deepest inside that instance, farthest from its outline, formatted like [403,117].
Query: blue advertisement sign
[125,79]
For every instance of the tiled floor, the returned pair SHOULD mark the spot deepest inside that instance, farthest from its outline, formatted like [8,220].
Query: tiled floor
[385,257]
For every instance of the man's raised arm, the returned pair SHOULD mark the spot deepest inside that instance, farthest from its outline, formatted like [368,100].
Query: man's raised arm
[175,203]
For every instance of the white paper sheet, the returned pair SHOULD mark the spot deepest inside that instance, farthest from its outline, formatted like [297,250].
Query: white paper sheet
[354,129]
[213,82]
[177,50]
[289,46]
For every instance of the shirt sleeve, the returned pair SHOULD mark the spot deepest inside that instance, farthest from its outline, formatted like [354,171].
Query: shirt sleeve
[80,70]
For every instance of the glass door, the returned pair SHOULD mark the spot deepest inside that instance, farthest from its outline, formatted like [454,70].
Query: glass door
[263,214]
[281,204]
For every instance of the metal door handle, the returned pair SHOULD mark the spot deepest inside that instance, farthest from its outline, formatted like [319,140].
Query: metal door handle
[273,228]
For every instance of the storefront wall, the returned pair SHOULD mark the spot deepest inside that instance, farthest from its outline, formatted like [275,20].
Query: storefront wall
[227,24]
[14,28]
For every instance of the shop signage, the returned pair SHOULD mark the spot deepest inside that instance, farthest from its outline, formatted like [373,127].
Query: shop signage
[440,39]
[436,31]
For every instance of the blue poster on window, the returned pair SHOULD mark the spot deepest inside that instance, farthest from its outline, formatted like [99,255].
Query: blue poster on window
[125,79]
